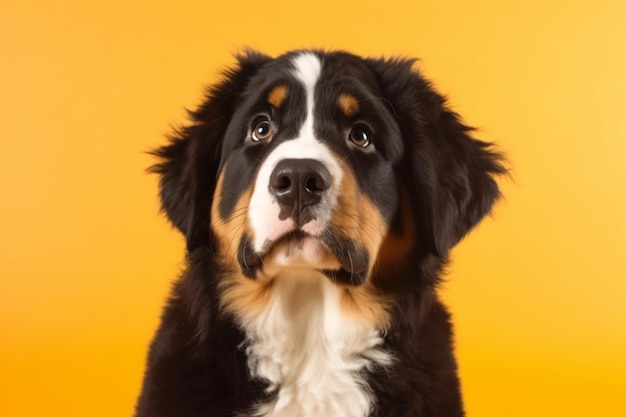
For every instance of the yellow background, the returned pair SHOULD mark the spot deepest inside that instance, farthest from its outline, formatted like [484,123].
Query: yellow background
[86,87]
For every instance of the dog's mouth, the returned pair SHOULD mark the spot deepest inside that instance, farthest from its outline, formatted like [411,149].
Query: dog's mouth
[341,260]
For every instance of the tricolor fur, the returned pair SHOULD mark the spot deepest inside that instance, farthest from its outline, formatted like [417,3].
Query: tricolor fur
[320,194]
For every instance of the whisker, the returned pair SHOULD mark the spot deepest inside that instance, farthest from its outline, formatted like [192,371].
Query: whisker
[245,245]
[351,268]
[237,222]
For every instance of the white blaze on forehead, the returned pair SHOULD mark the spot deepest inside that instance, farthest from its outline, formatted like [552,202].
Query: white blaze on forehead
[307,69]
[264,209]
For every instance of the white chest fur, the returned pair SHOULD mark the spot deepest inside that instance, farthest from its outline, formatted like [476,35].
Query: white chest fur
[311,354]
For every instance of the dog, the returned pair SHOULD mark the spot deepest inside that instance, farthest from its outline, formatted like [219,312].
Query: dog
[319,193]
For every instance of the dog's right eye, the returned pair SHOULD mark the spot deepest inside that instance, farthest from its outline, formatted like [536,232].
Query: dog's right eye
[261,130]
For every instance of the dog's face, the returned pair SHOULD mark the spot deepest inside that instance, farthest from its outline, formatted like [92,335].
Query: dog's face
[307,170]
[326,162]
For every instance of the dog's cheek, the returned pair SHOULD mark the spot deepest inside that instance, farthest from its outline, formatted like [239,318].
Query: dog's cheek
[358,218]
[230,229]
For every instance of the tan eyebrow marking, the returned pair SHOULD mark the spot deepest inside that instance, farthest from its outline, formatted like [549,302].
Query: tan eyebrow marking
[277,95]
[348,104]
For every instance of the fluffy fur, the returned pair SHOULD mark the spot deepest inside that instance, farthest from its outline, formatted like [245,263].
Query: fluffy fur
[320,194]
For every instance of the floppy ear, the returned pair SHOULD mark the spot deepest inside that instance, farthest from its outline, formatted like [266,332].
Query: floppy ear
[450,174]
[188,164]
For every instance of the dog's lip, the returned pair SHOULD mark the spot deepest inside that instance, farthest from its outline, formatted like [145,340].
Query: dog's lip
[296,235]
[293,236]
[297,238]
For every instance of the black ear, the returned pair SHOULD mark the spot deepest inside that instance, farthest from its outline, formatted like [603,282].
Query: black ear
[188,164]
[449,173]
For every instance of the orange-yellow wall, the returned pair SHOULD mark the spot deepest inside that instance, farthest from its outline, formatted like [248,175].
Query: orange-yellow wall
[538,292]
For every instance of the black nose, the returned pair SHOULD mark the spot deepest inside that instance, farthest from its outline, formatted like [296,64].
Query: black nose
[299,183]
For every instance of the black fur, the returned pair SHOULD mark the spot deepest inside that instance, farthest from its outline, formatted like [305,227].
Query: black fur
[196,366]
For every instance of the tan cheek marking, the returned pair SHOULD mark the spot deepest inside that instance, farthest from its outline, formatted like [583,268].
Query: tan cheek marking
[374,226]
[229,231]
[395,248]
[346,217]
[348,104]
[358,217]
[277,96]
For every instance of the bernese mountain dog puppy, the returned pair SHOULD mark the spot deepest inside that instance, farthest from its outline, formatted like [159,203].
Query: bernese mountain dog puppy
[320,194]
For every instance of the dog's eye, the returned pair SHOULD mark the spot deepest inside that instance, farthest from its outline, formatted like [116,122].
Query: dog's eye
[360,136]
[262,130]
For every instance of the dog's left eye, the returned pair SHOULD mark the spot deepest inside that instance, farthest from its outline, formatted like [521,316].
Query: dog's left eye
[360,136]
[262,130]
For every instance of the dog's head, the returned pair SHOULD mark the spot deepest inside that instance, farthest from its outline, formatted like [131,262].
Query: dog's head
[325,161]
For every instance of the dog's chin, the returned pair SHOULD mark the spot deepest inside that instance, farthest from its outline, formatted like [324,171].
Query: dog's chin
[298,252]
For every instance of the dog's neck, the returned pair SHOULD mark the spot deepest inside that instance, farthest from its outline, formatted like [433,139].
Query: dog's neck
[312,354]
